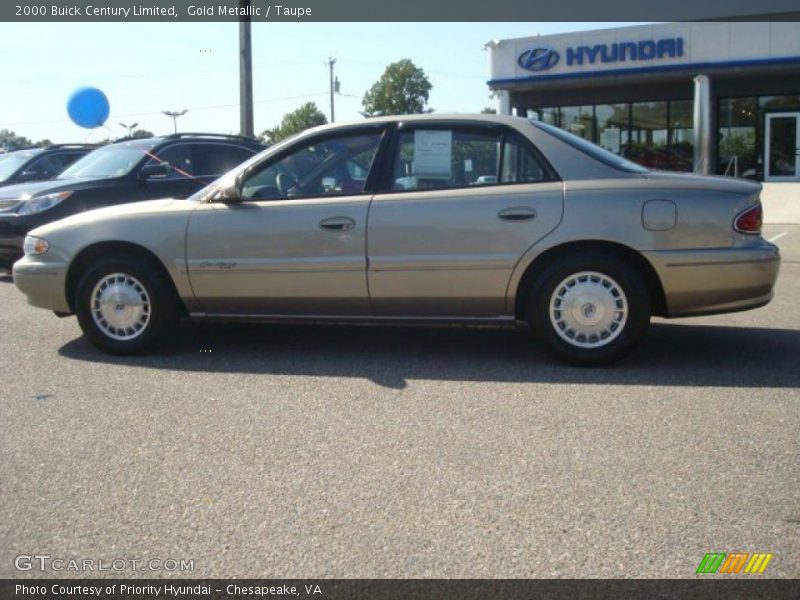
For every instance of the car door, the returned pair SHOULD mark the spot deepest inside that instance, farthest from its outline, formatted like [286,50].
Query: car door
[295,245]
[460,206]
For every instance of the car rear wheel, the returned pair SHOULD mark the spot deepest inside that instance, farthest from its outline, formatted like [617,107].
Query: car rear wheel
[590,310]
[124,306]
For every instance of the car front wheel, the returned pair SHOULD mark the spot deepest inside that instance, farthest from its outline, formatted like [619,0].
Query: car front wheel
[590,310]
[124,306]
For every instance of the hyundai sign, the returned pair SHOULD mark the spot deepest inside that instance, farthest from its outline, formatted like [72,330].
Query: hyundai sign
[538,59]
[543,58]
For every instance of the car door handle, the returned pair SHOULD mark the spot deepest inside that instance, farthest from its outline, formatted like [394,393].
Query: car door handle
[337,224]
[517,213]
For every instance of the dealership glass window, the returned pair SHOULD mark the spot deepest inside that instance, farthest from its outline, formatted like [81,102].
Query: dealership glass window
[649,140]
[681,135]
[578,120]
[549,115]
[779,102]
[738,123]
[612,126]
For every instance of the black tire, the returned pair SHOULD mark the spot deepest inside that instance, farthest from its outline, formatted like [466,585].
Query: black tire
[161,305]
[623,339]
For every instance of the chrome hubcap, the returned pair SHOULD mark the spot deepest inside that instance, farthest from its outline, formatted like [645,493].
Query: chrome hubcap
[120,306]
[588,309]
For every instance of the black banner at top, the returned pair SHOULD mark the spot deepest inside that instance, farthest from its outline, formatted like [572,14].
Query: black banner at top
[393,10]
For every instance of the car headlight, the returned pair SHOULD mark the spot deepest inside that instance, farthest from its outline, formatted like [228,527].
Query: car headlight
[34,245]
[38,204]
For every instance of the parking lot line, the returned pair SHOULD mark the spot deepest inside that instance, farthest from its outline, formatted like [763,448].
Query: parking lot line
[775,238]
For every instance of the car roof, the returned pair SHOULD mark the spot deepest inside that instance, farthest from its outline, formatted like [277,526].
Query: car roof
[26,152]
[151,142]
[35,150]
[465,117]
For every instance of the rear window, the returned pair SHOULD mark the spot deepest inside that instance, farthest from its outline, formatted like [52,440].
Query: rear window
[591,149]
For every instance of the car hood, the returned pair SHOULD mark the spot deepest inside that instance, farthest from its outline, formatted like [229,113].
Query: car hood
[39,188]
[711,182]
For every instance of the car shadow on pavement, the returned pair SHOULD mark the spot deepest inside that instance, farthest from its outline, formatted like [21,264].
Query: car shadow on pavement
[672,355]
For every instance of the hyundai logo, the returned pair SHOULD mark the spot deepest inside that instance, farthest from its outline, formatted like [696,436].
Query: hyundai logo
[538,59]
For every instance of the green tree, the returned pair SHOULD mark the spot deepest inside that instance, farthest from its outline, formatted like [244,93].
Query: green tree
[403,89]
[11,141]
[489,111]
[142,133]
[305,117]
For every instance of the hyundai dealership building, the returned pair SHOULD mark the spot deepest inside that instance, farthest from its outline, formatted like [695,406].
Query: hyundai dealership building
[710,97]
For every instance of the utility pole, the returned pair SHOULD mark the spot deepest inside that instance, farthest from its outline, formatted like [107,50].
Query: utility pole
[175,114]
[331,62]
[245,72]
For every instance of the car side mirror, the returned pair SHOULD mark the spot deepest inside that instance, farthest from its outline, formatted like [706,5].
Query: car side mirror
[154,171]
[32,175]
[230,191]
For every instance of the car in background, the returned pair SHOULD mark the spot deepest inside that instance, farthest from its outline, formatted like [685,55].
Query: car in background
[128,170]
[37,164]
[574,241]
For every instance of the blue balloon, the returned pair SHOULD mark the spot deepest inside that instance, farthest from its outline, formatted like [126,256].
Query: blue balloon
[88,107]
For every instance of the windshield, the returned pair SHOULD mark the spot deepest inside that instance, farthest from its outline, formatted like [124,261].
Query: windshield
[9,163]
[110,161]
[591,149]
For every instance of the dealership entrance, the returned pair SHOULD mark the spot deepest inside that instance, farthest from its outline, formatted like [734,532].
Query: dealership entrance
[782,147]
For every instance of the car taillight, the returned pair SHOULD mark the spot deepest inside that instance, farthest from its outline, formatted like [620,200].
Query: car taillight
[749,221]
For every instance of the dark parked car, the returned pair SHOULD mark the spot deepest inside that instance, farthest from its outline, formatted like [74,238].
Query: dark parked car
[129,170]
[37,164]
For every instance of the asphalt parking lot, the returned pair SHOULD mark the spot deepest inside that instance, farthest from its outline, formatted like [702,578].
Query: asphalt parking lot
[285,451]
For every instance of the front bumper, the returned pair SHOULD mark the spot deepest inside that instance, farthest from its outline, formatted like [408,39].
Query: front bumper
[13,229]
[44,283]
[717,280]
[10,249]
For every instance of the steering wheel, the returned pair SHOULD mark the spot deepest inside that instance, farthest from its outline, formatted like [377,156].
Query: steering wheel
[285,182]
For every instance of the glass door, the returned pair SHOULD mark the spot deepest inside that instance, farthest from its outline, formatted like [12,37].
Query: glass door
[782,152]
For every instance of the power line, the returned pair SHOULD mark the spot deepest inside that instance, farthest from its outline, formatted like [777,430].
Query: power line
[193,108]
[115,75]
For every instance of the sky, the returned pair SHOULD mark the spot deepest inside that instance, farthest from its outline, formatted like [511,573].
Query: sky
[145,68]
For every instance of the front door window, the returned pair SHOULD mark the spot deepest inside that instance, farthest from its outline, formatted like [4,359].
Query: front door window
[329,167]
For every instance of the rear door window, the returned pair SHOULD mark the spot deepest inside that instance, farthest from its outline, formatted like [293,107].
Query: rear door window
[443,158]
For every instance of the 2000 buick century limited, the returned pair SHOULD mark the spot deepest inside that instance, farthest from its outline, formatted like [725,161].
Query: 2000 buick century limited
[455,219]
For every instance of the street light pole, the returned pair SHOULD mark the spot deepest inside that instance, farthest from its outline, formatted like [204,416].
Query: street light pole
[130,128]
[175,114]
[245,72]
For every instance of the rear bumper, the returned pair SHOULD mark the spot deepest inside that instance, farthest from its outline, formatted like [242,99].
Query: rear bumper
[44,283]
[717,280]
